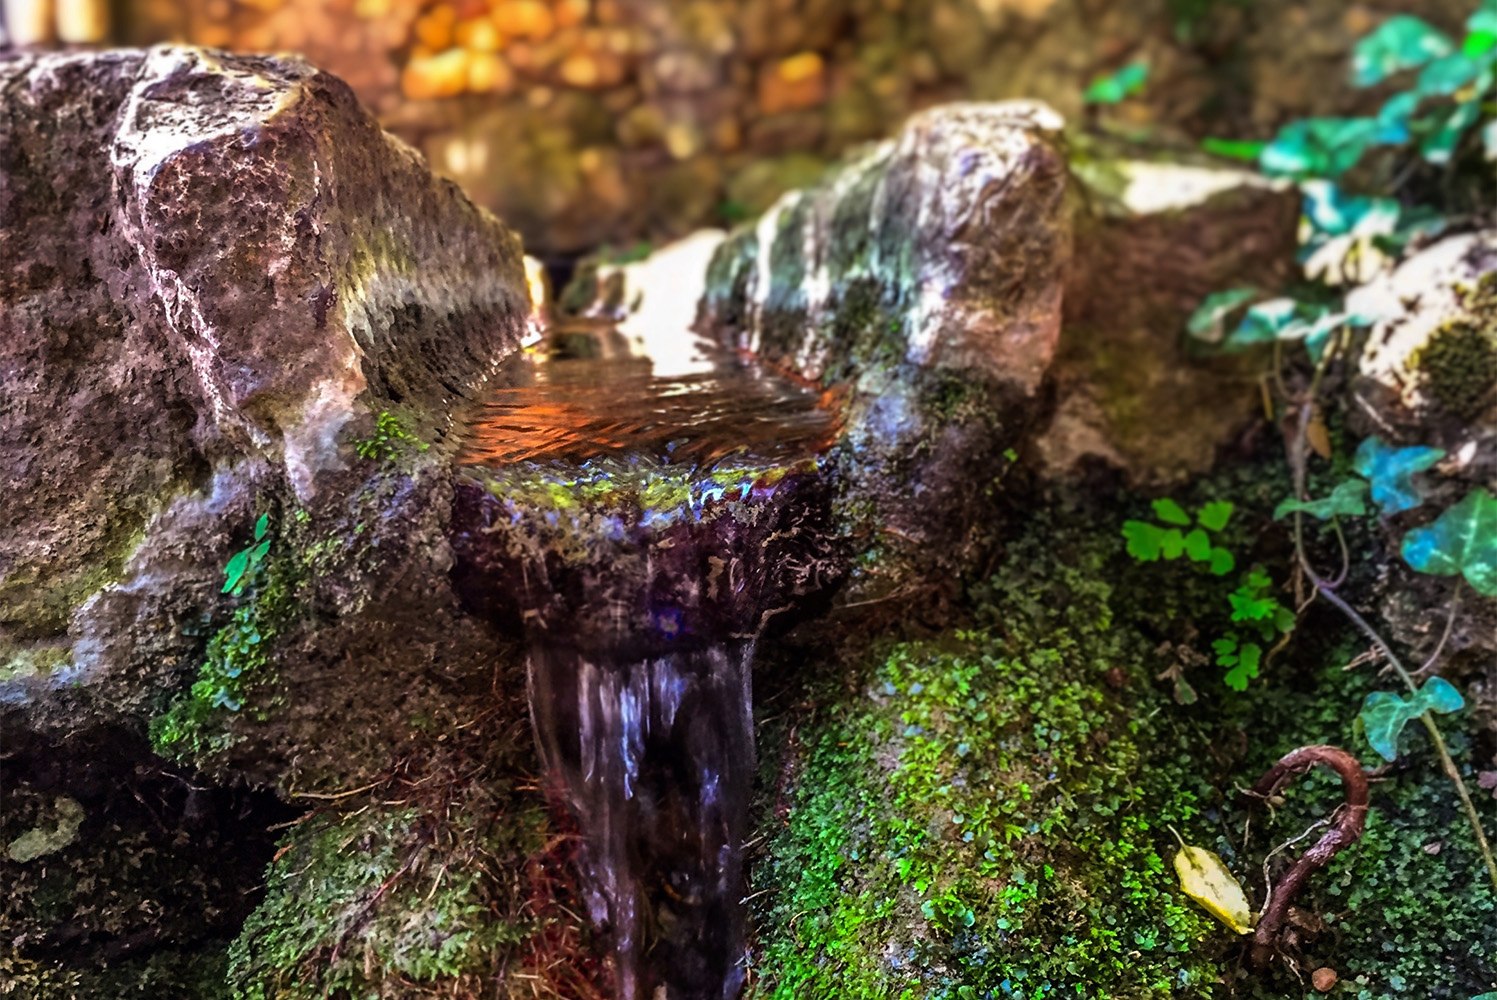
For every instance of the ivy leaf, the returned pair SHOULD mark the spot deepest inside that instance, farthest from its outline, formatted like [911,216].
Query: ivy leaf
[1384,714]
[1170,512]
[1208,322]
[1399,43]
[1336,213]
[1463,541]
[1446,75]
[1318,147]
[1348,499]
[1439,145]
[1205,879]
[1481,33]
[1391,471]
[234,571]
[1116,87]
[1214,515]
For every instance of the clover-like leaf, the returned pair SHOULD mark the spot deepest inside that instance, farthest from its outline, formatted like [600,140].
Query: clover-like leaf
[1399,43]
[1116,87]
[1198,545]
[1143,540]
[1170,512]
[1348,499]
[1390,471]
[1214,515]
[1244,667]
[1222,562]
[1462,541]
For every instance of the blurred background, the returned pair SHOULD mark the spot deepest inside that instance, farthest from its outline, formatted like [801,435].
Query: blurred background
[607,123]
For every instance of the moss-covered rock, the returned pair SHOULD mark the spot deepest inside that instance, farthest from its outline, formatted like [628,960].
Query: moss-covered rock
[992,811]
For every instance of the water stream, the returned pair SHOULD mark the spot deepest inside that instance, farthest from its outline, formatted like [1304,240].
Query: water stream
[640,528]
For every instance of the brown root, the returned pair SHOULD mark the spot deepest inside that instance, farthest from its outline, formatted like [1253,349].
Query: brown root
[1345,830]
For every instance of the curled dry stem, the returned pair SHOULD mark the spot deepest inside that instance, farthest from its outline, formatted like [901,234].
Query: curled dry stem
[1345,829]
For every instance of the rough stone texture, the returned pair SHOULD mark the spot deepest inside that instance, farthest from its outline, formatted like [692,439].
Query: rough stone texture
[1152,242]
[216,271]
[1445,295]
[924,277]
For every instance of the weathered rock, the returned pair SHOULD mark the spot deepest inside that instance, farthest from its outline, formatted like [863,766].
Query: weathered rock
[925,277]
[1152,242]
[227,293]
[1430,363]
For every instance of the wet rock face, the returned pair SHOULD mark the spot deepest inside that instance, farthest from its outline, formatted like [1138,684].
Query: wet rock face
[635,559]
[217,272]
[925,278]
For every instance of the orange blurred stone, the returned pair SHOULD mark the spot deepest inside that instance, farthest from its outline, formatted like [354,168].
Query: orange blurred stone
[580,70]
[434,29]
[524,19]
[370,10]
[569,13]
[1324,979]
[489,74]
[443,75]
[477,35]
[727,135]
[793,84]
[265,5]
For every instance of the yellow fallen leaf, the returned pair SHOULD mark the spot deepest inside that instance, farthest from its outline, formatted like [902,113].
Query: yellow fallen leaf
[1206,880]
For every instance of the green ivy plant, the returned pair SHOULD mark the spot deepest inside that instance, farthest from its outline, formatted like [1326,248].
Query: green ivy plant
[1442,105]
[1461,542]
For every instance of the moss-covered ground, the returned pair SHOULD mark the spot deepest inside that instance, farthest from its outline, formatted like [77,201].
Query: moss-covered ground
[991,811]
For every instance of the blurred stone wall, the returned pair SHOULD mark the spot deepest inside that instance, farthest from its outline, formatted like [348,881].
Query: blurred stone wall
[588,122]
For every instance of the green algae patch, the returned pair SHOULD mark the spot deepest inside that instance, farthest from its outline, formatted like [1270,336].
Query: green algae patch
[631,487]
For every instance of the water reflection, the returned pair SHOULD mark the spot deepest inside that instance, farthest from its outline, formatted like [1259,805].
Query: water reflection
[584,393]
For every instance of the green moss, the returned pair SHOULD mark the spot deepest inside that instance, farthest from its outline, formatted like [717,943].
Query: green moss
[237,676]
[389,441]
[990,820]
[1458,366]
[391,901]
[988,812]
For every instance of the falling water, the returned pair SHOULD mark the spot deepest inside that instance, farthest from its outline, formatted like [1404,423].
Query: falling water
[640,530]
[657,756]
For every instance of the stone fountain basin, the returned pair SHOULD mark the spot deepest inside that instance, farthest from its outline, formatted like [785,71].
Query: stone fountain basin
[638,557]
